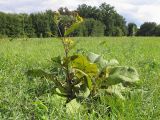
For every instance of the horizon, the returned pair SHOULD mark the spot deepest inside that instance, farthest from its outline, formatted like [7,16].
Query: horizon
[133,11]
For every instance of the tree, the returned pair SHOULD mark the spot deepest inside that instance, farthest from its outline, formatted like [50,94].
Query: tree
[53,28]
[64,11]
[132,29]
[112,20]
[91,27]
[88,11]
[41,24]
[147,29]
[117,32]
[28,30]
[157,30]
[120,25]
[14,26]
[103,20]
[3,20]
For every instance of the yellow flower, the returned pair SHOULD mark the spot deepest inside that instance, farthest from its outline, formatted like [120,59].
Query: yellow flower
[79,19]
[68,41]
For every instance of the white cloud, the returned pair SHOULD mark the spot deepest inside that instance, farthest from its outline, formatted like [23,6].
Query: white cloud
[137,11]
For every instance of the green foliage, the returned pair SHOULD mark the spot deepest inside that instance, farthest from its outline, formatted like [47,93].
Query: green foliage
[88,11]
[87,78]
[132,29]
[18,94]
[115,24]
[73,106]
[78,77]
[41,24]
[147,29]
[157,30]
[91,27]
[40,110]
[100,21]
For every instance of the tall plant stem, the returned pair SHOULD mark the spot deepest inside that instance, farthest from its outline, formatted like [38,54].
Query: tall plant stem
[68,78]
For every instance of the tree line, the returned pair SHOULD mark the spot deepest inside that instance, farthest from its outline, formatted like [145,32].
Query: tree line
[98,21]
[146,29]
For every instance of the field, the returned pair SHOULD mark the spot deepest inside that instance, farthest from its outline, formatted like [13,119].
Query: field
[18,94]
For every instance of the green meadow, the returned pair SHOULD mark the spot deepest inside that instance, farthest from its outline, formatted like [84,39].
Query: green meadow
[19,94]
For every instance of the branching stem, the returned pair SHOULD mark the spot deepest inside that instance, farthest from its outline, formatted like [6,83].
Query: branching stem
[68,78]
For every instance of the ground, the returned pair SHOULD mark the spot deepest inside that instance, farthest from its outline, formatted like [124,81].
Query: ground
[19,95]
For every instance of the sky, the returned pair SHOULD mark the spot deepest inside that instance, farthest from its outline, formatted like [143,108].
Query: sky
[137,11]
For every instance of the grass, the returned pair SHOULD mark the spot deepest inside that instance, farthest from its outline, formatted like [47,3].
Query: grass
[18,95]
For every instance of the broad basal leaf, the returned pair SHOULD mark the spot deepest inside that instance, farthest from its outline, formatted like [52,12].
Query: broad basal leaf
[126,75]
[61,93]
[73,106]
[82,63]
[43,74]
[84,70]
[84,92]
[84,77]
[95,58]
[116,90]
[57,61]
[112,62]
[37,73]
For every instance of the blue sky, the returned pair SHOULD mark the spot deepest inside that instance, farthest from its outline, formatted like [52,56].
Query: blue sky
[137,11]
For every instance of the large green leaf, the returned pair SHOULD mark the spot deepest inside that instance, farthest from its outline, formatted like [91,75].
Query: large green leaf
[127,74]
[38,73]
[57,60]
[116,90]
[73,106]
[112,62]
[43,74]
[82,63]
[84,92]
[95,58]
[84,70]
[120,74]
[83,77]
[61,93]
